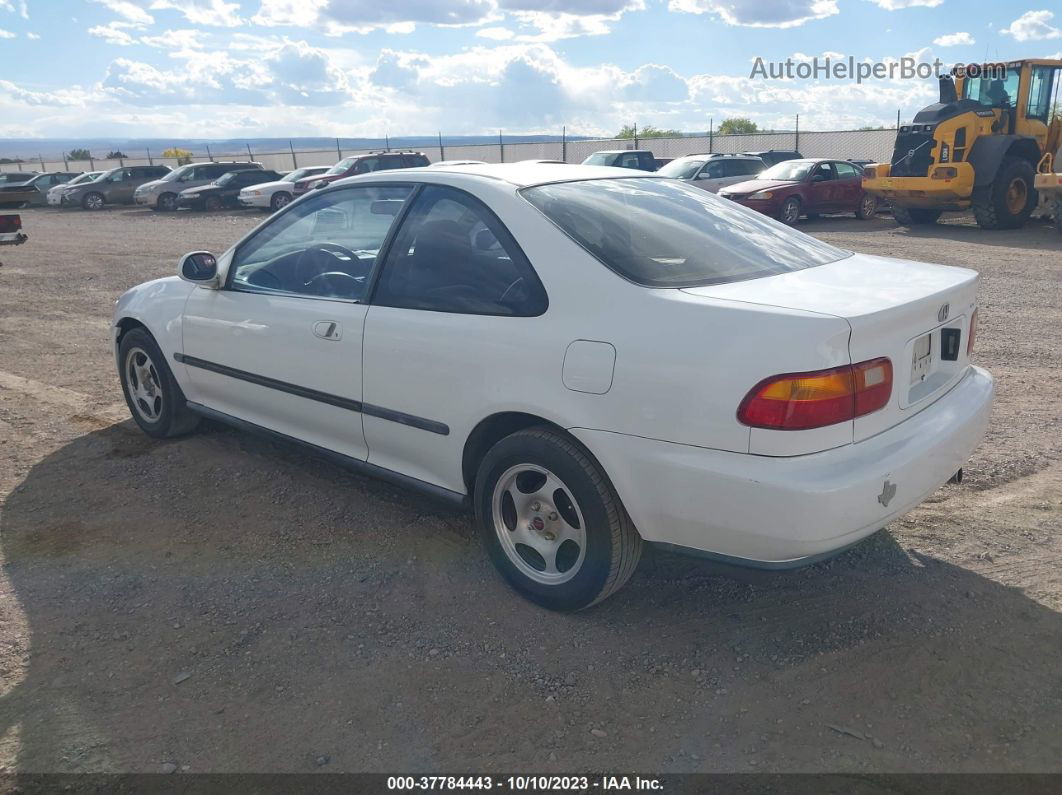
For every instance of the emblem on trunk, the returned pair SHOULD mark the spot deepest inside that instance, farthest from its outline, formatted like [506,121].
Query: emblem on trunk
[888,491]
[942,313]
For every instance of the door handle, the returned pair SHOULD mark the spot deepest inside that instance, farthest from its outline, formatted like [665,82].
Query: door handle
[328,330]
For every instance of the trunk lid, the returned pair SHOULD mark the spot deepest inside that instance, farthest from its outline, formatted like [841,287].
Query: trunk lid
[917,314]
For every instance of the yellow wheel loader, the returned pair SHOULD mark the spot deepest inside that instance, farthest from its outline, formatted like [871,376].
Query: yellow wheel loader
[976,149]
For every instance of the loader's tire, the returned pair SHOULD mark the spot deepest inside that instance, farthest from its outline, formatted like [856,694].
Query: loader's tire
[914,216]
[1009,201]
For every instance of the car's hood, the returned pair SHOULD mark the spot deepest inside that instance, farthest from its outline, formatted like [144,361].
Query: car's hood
[307,182]
[269,185]
[201,189]
[150,185]
[753,185]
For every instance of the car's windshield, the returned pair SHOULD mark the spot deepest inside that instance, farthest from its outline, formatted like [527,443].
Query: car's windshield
[664,233]
[83,178]
[599,159]
[790,170]
[341,166]
[177,173]
[993,92]
[226,178]
[681,168]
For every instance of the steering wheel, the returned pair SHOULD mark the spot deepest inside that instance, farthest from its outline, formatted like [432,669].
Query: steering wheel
[336,284]
[509,289]
[263,278]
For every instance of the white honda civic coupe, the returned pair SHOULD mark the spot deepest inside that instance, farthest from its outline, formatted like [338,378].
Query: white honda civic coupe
[589,358]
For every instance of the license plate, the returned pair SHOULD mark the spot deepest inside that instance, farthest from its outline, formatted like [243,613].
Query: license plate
[921,358]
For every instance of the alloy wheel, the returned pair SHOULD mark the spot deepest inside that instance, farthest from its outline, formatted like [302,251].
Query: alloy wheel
[145,386]
[539,524]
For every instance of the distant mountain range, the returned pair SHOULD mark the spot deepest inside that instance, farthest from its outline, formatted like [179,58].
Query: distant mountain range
[53,148]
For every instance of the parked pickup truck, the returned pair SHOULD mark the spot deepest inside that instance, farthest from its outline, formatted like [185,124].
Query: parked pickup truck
[11,233]
[640,159]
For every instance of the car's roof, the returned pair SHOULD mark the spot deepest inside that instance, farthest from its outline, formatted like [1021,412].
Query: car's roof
[521,175]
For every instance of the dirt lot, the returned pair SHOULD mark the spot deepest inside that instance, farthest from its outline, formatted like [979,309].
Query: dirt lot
[221,603]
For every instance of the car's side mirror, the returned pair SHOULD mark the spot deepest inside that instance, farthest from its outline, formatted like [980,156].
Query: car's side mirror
[199,267]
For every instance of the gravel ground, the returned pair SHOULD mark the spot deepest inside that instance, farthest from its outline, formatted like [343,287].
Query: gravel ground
[222,603]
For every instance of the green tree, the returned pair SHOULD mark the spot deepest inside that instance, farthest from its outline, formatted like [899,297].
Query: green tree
[79,154]
[648,131]
[117,154]
[738,127]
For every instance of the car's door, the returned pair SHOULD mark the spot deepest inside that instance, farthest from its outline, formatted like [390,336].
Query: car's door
[280,344]
[734,171]
[849,186]
[119,187]
[456,304]
[711,176]
[822,189]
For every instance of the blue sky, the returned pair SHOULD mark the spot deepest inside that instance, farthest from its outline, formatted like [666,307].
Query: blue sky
[250,68]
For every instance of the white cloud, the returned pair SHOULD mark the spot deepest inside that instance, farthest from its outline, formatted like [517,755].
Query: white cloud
[22,10]
[896,5]
[954,39]
[204,12]
[296,13]
[32,36]
[129,11]
[759,14]
[179,42]
[496,34]
[1033,26]
[112,34]
[6,34]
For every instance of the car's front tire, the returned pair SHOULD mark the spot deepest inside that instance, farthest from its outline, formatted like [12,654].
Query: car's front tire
[551,521]
[92,201]
[868,207]
[154,398]
[789,212]
[167,203]
[280,200]
[212,204]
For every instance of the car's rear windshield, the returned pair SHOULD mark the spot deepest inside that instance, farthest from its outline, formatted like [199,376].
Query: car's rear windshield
[680,169]
[664,233]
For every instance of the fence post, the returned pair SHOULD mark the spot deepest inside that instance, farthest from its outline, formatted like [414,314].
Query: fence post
[150,161]
[796,139]
[210,157]
[897,119]
[711,135]
[41,158]
[564,144]
[92,163]
[339,151]
[66,166]
[636,135]
[294,160]
[442,152]
[501,146]
[387,142]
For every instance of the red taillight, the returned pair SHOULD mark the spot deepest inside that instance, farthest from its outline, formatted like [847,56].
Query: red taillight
[800,401]
[972,335]
[10,223]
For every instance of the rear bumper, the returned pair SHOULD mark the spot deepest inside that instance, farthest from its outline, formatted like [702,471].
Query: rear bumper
[1050,184]
[784,512]
[13,238]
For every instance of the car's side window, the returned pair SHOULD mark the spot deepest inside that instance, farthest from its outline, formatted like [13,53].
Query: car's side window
[823,170]
[846,171]
[452,254]
[325,247]
[714,170]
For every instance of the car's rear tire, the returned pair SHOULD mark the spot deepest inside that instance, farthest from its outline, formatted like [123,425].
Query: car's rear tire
[551,521]
[868,207]
[92,201]
[166,203]
[789,212]
[915,216]
[154,398]
[280,200]
[1009,201]
[212,204]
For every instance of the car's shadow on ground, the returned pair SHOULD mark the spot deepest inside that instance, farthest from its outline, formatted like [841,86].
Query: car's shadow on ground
[225,603]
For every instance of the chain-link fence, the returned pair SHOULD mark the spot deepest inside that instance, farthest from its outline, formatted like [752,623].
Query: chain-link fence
[873,145]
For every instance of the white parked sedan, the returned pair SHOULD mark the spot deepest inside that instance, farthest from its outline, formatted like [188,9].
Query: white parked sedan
[54,196]
[590,358]
[275,195]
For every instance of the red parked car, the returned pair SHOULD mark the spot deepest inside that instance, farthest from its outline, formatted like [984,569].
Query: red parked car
[361,164]
[807,187]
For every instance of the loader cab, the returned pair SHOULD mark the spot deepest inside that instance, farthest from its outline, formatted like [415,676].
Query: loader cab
[1022,98]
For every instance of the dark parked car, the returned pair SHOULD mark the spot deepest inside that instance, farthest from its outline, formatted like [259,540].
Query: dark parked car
[640,159]
[161,194]
[805,187]
[34,191]
[116,186]
[362,164]
[223,191]
[772,157]
[16,177]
